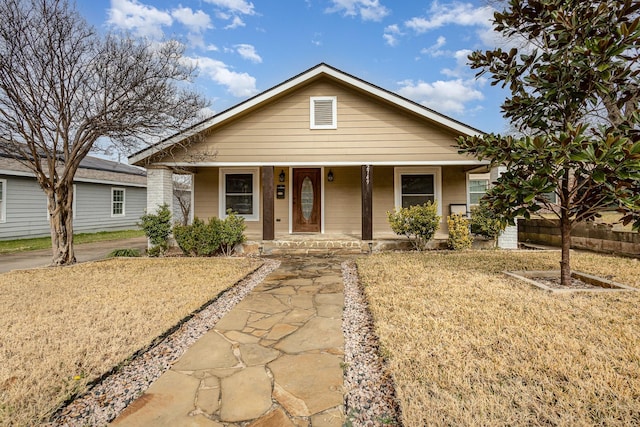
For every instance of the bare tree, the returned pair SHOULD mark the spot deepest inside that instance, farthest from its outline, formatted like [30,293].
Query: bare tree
[182,188]
[63,86]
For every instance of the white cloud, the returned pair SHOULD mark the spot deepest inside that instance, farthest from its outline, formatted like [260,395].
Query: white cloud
[235,6]
[235,23]
[462,67]
[368,10]
[465,14]
[435,49]
[248,52]
[197,22]
[240,85]
[444,96]
[212,48]
[391,33]
[142,19]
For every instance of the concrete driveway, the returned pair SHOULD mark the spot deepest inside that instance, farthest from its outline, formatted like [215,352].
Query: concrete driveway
[84,252]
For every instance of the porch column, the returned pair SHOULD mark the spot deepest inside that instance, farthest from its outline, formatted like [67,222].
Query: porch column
[508,239]
[367,202]
[268,232]
[159,188]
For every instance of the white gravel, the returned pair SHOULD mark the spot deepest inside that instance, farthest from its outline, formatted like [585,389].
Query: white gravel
[111,396]
[370,398]
[369,390]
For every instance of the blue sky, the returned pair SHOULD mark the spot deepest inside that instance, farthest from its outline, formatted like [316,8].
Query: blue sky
[416,48]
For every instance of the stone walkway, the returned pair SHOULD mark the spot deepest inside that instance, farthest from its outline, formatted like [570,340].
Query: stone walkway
[273,360]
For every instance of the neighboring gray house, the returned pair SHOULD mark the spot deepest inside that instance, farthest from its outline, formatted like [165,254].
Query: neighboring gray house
[108,196]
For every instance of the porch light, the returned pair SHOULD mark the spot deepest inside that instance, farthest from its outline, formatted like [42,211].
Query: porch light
[281,176]
[330,176]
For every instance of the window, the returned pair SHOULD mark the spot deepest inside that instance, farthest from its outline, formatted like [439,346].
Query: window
[417,186]
[3,200]
[239,192]
[117,201]
[324,112]
[477,189]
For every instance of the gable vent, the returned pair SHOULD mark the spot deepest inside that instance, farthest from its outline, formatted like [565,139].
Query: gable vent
[323,112]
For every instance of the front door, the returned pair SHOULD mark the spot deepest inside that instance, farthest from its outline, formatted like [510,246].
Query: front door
[306,200]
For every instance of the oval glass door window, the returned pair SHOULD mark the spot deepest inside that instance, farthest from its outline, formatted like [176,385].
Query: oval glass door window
[306,197]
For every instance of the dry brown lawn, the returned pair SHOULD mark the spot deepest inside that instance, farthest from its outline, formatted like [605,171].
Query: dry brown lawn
[62,328]
[470,346]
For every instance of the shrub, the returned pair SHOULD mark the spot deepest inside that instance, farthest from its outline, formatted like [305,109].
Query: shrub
[206,239]
[418,223]
[231,232]
[199,238]
[157,228]
[124,253]
[485,222]
[459,235]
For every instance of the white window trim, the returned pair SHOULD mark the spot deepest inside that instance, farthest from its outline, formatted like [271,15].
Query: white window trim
[437,180]
[124,201]
[256,192]
[334,112]
[3,207]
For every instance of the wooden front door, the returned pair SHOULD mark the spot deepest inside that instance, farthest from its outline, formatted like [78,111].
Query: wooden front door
[306,200]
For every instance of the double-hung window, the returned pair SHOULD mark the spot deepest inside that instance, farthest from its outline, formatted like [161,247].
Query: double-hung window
[477,189]
[417,186]
[117,201]
[239,192]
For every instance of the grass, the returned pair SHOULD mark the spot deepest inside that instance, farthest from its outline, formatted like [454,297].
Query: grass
[467,345]
[64,327]
[21,245]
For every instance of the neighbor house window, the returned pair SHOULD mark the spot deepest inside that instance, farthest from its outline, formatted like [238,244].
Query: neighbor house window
[417,186]
[239,191]
[3,200]
[324,112]
[477,189]
[117,201]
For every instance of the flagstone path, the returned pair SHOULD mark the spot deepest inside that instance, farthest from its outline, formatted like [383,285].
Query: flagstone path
[274,360]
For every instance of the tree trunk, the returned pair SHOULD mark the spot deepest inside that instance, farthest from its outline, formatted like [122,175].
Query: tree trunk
[565,265]
[61,217]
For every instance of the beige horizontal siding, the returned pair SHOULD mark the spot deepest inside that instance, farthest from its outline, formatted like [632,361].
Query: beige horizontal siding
[368,130]
[343,201]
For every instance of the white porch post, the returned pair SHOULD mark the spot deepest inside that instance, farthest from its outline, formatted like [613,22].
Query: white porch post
[509,237]
[159,189]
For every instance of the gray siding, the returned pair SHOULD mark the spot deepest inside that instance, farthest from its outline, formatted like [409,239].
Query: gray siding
[26,208]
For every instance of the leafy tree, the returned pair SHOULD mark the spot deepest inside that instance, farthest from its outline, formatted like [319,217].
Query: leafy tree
[575,89]
[63,86]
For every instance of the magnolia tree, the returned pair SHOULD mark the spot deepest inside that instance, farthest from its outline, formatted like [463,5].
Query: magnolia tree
[63,86]
[575,88]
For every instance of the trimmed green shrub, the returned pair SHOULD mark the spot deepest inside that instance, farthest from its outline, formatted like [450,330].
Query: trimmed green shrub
[199,238]
[127,253]
[207,239]
[459,235]
[417,223]
[485,222]
[231,233]
[157,228]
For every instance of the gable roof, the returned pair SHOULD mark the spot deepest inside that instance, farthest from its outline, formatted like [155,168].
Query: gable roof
[92,169]
[309,75]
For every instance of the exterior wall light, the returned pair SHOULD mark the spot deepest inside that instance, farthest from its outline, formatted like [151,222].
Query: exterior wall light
[281,176]
[330,176]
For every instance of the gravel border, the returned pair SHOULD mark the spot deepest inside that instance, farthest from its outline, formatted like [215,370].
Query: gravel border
[370,398]
[104,402]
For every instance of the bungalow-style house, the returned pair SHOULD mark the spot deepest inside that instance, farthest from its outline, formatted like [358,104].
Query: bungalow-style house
[108,196]
[323,153]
